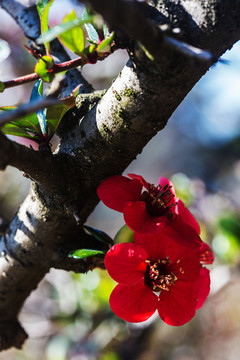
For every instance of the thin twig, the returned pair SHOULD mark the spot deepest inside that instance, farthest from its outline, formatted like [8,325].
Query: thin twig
[27,108]
[67,65]
[57,68]
[20,80]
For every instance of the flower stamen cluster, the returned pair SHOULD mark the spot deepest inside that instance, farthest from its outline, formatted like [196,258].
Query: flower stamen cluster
[157,275]
[158,200]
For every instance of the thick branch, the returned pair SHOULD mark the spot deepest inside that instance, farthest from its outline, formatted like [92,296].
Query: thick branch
[33,244]
[127,15]
[26,17]
[40,166]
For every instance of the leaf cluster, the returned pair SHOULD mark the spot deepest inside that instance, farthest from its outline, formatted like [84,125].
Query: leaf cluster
[40,126]
[71,33]
[87,37]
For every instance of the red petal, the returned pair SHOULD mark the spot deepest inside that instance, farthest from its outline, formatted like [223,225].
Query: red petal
[137,218]
[179,232]
[187,267]
[187,216]
[177,306]
[141,179]
[125,263]
[134,303]
[158,246]
[185,234]
[117,190]
[180,208]
[184,262]
[163,182]
[205,254]
[203,285]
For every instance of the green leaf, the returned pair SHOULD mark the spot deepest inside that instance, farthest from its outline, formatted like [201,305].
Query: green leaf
[14,129]
[70,100]
[84,253]
[2,86]
[27,127]
[105,31]
[105,45]
[99,235]
[41,114]
[74,38]
[92,32]
[41,4]
[44,20]
[44,15]
[54,116]
[44,64]
[4,50]
[28,122]
[124,235]
[90,49]
[61,28]
[37,91]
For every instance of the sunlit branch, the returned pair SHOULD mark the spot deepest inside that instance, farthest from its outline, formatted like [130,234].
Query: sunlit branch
[189,50]
[127,15]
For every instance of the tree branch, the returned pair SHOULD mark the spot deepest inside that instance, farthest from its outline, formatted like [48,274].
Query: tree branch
[36,164]
[26,17]
[37,239]
[127,15]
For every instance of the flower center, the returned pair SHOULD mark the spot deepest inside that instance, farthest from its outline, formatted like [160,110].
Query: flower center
[157,275]
[158,200]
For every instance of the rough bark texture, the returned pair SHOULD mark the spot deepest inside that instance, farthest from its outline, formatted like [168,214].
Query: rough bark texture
[96,142]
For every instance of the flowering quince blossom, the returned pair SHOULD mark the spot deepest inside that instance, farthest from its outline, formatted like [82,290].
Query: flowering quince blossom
[156,273]
[151,210]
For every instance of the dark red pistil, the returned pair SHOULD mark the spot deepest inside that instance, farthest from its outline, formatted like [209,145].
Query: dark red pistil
[158,200]
[157,275]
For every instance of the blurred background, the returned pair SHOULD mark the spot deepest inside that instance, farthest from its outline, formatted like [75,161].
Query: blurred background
[68,316]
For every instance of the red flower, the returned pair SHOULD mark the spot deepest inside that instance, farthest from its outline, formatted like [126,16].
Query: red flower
[151,210]
[156,273]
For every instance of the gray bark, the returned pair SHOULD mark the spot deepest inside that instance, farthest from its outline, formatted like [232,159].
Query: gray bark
[97,142]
